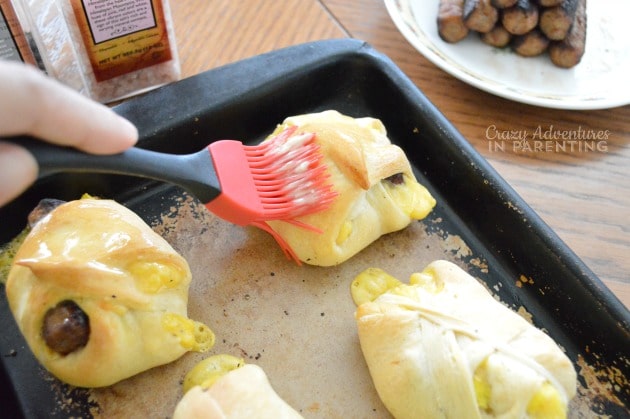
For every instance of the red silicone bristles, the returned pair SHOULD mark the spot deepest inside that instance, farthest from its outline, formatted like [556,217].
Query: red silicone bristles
[280,179]
[289,175]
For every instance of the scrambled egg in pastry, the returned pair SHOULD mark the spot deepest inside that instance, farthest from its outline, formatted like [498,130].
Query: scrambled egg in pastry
[443,347]
[378,192]
[224,387]
[99,296]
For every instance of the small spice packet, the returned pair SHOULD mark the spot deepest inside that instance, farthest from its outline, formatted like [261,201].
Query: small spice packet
[116,48]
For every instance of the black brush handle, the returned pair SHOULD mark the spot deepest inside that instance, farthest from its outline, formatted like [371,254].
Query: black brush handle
[193,172]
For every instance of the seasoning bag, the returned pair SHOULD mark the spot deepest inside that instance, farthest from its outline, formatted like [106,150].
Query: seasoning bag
[108,49]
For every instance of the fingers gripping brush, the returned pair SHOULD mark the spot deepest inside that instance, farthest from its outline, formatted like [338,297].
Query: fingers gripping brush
[282,178]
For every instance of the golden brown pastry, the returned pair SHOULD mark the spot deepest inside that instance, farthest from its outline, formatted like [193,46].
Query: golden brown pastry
[224,387]
[443,347]
[99,296]
[378,192]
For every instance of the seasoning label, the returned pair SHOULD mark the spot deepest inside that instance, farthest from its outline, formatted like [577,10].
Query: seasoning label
[122,36]
[13,43]
[8,49]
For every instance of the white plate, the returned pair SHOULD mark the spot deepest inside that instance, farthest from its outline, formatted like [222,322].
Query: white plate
[600,81]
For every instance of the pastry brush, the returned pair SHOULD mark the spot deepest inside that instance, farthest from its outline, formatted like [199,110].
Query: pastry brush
[282,178]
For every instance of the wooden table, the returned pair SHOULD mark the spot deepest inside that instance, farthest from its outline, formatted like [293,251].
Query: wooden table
[584,197]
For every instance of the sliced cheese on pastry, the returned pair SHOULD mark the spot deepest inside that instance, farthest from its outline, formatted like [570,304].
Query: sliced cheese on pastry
[443,347]
[224,387]
[378,192]
[99,296]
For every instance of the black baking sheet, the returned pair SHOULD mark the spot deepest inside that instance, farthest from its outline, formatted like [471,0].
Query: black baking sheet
[246,100]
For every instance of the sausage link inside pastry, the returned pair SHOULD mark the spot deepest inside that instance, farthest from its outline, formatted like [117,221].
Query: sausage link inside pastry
[66,328]
[99,296]
[443,347]
[378,192]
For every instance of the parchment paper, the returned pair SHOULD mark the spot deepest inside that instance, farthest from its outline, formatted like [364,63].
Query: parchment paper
[296,322]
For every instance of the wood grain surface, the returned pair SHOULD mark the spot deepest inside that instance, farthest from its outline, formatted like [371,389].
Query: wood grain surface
[583,196]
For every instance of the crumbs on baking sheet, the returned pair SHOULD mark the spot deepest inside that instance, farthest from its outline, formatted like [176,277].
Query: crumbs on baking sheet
[456,245]
[512,206]
[522,311]
[69,400]
[523,280]
[480,264]
[603,382]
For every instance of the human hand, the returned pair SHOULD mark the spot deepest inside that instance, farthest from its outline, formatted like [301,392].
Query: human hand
[36,105]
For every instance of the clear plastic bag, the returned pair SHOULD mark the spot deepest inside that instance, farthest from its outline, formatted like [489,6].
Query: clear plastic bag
[107,49]
[14,37]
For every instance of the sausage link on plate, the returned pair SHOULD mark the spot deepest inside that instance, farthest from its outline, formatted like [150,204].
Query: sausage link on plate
[531,44]
[556,21]
[498,37]
[568,52]
[502,4]
[480,15]
[549,3]
[520,18]
[450,21]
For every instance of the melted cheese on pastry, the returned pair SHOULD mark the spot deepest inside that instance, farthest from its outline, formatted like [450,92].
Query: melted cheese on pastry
[378,192]
[224,387]
[442,346]
[97,264]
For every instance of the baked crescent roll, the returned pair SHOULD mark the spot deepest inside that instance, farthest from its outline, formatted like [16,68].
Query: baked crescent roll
[378,192]
[224,387]
[99,296]
[443,347]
